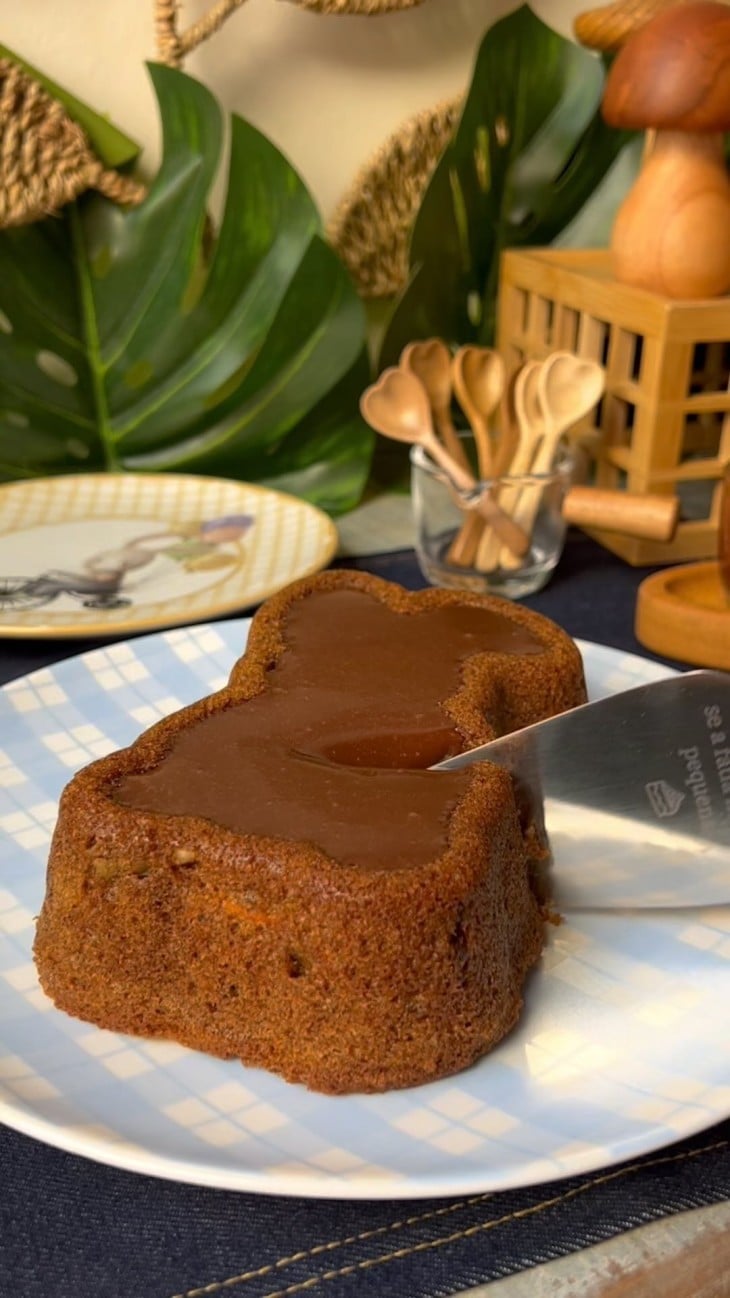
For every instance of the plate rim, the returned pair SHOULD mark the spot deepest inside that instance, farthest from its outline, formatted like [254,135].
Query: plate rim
[308,1183]
[158,622]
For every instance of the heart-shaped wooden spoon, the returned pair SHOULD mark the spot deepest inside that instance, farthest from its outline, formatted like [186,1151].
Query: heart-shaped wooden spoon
[479,382]
[569,387]
[430,361]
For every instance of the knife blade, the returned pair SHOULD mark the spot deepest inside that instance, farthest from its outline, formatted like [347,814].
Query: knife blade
[635,793]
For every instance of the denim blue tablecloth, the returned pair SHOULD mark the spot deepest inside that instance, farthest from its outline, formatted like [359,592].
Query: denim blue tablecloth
[70,1228]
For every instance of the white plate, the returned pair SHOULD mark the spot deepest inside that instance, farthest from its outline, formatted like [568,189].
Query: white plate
[109,554]
[622,1047]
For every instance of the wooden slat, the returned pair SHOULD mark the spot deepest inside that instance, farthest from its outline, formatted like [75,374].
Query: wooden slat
[653,421]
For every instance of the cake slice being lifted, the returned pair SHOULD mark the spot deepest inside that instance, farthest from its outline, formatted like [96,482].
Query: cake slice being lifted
[272,874]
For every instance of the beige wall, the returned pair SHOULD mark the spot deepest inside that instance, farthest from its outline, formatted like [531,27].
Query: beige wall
[327,90]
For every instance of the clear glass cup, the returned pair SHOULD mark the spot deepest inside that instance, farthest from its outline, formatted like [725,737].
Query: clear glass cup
[441,512]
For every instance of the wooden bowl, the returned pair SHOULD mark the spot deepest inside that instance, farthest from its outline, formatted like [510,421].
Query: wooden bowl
[684,613]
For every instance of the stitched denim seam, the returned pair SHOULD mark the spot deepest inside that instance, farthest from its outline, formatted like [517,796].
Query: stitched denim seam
[219,1286]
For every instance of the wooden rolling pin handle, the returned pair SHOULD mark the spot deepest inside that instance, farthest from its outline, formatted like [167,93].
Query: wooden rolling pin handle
[638,514]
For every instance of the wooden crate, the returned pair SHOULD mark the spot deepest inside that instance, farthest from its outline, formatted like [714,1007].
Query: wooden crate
[664,422]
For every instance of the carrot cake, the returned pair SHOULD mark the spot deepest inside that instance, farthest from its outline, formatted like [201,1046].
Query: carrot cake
[273,874]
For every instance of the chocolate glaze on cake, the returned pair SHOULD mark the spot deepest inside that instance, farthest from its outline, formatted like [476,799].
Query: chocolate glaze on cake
[273,874]
[338,700]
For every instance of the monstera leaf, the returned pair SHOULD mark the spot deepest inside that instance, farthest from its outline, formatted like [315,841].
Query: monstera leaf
[530,154]
[137,340]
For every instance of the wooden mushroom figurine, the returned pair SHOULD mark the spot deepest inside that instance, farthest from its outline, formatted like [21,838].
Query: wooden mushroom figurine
[608,27]
[672,233]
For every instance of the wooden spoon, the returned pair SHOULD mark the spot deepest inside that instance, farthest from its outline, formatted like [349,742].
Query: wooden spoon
[568,387]
[531,428]
[397,406]
[465,547]
[430,361]
[479,382]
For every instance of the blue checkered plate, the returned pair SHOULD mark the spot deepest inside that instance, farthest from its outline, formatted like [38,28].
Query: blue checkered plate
[622,1046]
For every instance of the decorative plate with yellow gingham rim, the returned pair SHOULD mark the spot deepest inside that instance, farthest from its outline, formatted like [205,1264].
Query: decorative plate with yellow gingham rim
[109,554]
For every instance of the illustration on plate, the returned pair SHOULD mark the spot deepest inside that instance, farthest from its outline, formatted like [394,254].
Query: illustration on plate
[195,547]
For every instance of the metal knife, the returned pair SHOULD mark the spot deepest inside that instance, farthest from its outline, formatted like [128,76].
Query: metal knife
[635,793]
